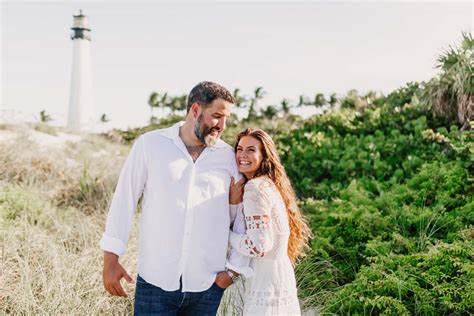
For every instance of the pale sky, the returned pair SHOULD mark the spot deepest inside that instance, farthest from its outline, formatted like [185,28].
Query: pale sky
[289,48]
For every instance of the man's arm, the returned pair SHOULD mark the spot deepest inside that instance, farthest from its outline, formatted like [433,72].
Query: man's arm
[237,262]
[223,279]
[119,220]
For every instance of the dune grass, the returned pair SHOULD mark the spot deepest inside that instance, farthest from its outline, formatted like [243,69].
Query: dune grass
[53,206]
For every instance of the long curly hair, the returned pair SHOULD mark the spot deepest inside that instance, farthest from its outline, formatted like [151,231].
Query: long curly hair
[272,167]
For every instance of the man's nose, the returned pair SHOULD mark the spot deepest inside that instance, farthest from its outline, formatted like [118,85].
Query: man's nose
[221,124]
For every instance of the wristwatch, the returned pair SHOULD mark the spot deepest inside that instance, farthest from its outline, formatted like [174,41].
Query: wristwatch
[234,276]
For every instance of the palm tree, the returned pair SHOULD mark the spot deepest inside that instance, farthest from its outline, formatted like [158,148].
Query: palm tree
[164,100]
[240,101]
[183,101]
[258,95]
[285,107]
[177,103]
[319,100]
[45,118]
[332,100]
[270,112]
[451,93]
[303,100]
[104,118]
[153,102]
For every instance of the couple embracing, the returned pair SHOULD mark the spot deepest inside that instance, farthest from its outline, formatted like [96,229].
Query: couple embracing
[210,215]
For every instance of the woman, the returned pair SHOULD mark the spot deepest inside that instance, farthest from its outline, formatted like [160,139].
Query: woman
[276,234]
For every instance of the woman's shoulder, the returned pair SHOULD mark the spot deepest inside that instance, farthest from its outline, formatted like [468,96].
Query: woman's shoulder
[262,183]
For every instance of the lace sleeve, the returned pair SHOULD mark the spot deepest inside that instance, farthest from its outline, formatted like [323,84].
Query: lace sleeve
[258,238]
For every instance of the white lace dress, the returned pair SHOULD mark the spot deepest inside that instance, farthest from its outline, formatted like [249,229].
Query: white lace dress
[272,288]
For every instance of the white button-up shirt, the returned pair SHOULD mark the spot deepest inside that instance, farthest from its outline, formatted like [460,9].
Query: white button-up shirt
[184,224]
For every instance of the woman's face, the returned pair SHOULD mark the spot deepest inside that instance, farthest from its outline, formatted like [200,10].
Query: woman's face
[248,156]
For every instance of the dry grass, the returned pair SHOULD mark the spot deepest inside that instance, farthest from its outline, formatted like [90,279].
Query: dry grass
[53,203]
[51,262]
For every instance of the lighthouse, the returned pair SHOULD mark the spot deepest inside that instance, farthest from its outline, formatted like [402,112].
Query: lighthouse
[81,109]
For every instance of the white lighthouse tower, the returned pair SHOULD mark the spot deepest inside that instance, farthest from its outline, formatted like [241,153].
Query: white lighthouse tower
[81,108]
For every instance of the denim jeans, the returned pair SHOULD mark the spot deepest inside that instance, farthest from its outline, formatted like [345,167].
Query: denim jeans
[152,300]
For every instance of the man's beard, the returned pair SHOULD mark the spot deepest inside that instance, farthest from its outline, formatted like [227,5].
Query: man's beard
[203,133]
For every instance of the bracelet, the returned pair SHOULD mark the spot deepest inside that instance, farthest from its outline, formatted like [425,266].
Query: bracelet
[232,275]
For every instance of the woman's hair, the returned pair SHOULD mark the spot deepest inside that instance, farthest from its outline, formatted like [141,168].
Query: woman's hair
[272,167]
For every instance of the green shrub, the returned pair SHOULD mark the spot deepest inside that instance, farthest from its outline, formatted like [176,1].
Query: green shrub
[439,281]
[387,144]
[433,205]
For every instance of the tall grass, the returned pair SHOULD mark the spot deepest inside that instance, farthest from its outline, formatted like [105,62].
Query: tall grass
[51,261]
[53,203]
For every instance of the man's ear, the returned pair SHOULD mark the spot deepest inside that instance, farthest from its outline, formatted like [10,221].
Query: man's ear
[195,110]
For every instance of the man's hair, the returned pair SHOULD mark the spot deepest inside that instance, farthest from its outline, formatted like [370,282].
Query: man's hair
[205,92]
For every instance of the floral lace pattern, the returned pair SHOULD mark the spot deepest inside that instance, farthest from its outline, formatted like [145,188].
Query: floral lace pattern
[253,249]
[270,298]
[257,221]
[272,289]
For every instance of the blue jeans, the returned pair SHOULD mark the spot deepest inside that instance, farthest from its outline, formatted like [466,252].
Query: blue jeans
[152,300]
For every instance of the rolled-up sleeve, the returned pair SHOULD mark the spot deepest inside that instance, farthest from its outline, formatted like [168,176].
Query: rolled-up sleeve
[129,189]
[236,261]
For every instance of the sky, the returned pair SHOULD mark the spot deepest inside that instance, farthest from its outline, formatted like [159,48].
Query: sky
[287,47]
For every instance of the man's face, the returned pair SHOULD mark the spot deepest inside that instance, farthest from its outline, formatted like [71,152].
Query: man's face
[210,123]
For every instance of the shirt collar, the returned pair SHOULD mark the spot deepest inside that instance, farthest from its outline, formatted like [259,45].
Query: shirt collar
[173,134]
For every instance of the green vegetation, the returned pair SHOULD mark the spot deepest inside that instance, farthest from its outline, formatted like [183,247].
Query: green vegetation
[388,187]
[387,183]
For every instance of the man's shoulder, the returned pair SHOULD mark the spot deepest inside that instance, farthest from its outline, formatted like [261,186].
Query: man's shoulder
[157,133]
[224,150]
[220,144]
[161,133]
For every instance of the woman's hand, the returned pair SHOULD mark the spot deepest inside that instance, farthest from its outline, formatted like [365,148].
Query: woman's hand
[236,191]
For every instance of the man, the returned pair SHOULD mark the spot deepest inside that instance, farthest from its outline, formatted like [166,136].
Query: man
[184,173]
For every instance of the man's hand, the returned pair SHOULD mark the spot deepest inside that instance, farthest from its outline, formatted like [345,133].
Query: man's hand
[113,273]
[223,280]
[236,191]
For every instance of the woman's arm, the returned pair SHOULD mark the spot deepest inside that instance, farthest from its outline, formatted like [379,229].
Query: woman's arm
[258,239]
